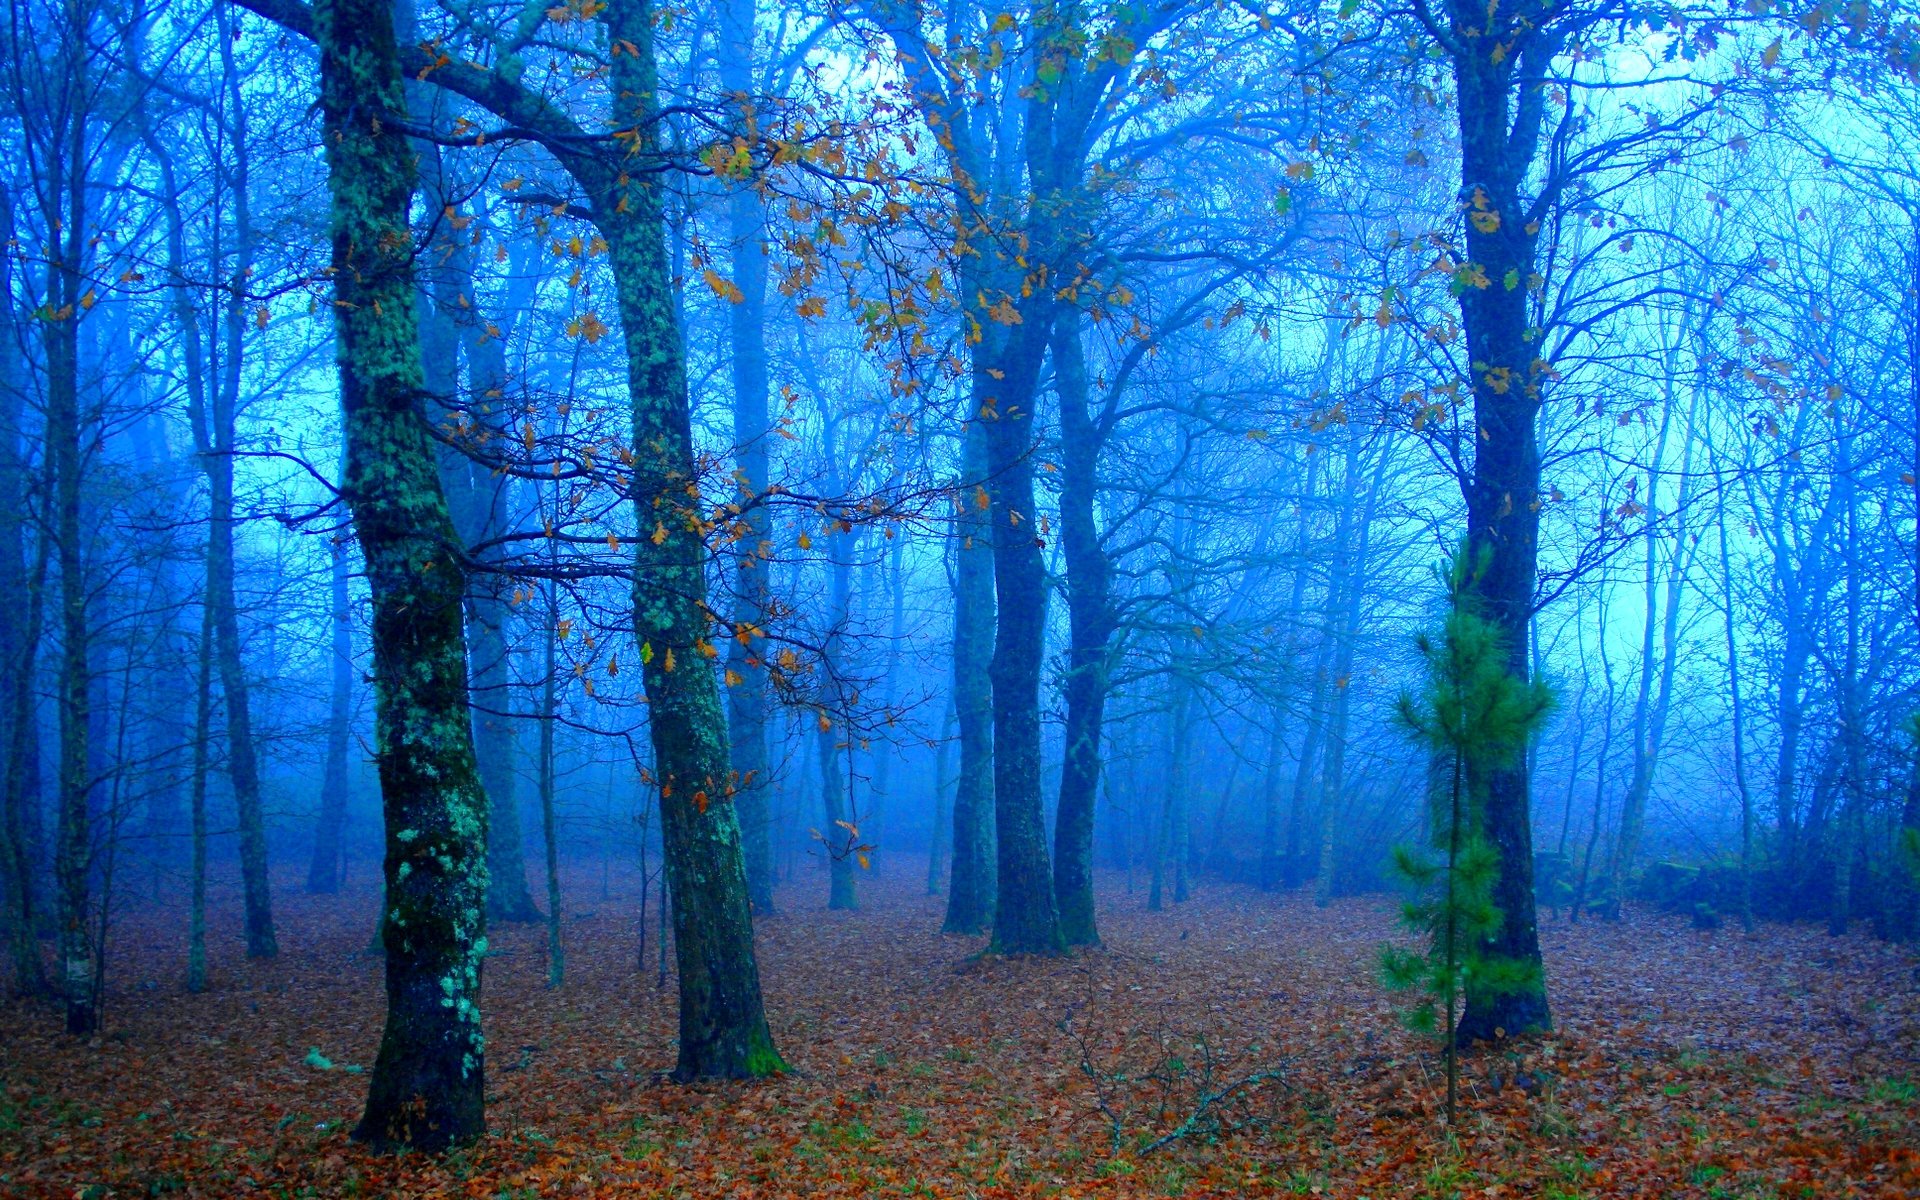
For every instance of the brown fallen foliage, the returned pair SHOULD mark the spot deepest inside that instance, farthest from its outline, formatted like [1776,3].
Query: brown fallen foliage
[1248,1026]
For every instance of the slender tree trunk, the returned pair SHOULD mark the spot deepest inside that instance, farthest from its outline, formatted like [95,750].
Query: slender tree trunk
[1853,734]
[549,826]
[450,323]
[428,1084]
[884,751]
[1299,863]
[1170,838]
[841,838]
[1347,596]
[1270,804]
[323,874]
[1739,721]
[1656,683]
[937,851]
[831,739]
[73,863]
[1292,867]
[23,908]
[197,806]
[217,458]
[747,699]
[1179,796]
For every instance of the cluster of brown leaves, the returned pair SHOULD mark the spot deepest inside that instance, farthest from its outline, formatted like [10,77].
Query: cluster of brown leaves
[1685,1064]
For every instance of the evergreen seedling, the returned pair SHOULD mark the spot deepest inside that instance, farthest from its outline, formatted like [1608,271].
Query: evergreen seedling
[1473,717]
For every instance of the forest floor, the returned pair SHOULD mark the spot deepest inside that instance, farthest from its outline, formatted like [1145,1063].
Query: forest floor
[1684,1064]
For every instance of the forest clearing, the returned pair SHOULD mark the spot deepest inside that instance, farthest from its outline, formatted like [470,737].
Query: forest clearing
[1685,1064]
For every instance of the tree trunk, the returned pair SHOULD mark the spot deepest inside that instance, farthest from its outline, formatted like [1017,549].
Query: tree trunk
[1503,490]
[970,890]
[476,503]
[1346,593]
[723,1026]
[197,807]
[937,850]
[1025,920]
[842,839]
[73,863]
[1090,625]
[1170,835]
[217,459]
[1656,684]
[1270,804]
[427,1089]
[1739,718]
[323,874]
[1853,706]
[884,751]
[747,700]
[549,826]
[22,616]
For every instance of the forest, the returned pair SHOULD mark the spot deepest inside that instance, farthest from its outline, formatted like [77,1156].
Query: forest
[962,598]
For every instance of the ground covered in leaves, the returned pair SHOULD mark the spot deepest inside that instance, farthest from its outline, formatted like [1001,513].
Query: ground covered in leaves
[1237,1045]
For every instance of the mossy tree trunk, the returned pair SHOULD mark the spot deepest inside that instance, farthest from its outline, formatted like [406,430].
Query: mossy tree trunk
[427,1089]
[722,1022]
[723,1026]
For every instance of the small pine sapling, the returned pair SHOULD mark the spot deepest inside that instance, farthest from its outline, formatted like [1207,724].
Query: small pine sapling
[1473,717]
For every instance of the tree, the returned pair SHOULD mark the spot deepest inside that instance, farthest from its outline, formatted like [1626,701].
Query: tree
[723,1029]
[1474,719]
[213,425]
[747,701]
[428,1084]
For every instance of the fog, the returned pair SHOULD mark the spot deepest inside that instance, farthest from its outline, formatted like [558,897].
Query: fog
[613,486]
